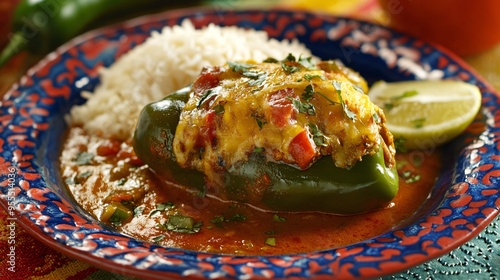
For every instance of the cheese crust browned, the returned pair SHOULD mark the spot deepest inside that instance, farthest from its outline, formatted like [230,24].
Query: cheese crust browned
[290,110]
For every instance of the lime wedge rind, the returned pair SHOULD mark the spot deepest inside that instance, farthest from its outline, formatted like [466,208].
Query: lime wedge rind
[414,117]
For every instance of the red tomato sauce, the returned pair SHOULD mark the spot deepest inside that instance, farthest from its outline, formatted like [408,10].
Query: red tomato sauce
[99,172]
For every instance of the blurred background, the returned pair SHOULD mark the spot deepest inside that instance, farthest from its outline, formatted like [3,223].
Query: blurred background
[470,30]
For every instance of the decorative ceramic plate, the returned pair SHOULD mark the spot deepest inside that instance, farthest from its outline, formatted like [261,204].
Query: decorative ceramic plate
[464,199]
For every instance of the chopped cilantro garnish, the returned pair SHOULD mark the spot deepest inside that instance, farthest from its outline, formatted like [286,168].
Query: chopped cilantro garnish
[165,206]
[309,77]
[413,179]
[82,176]
[207,94]
[160,207]
[219,109]
[289,64]
[278,218]
[258,78]
[308,93]
[376,118]
[218,220]
[350,114]
[410,177]
[138,211]
[271,60]
[239,67]
[318,137]
[271,241]
[289,68]
[122,181]
[182,224]
[290,57]
[84,158]
[258,150]
[260,121]
[303,107]
[306,62]
[237,218]
[158,238]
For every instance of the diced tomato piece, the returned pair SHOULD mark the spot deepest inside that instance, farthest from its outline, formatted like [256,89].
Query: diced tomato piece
[207,132]
[209,78]
[302,150]
[108,148]
[281,107]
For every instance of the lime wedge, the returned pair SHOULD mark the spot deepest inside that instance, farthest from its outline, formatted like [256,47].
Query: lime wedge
[425,114]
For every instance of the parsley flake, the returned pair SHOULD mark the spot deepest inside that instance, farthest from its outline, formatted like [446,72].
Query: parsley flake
[182,224]
[309,77]
[271,60]
[291,65]
[410,177]
[239,67]
[289,68]
[318,137]
[158,238]
[218,220]
[278,218]
[257,78]
[271,241]
[350,114]
[160,207]
[207,94]
[219,109]
[84,158]
[258,150]
[138,211]
[303,107]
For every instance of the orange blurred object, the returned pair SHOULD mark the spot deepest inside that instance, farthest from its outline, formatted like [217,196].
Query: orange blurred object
[464,26]
[6,10]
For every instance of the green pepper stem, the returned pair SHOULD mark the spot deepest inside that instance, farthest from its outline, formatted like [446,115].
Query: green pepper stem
[17,43]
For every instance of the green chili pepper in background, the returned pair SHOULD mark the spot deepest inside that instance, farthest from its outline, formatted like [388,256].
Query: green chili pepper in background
[273,186]
[39,26]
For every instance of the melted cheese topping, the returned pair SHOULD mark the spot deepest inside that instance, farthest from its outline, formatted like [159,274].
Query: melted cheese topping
[291,113]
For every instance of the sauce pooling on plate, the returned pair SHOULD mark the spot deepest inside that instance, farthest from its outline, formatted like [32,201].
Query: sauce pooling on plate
[101,173]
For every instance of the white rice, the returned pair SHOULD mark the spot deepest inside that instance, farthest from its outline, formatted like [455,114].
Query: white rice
[167,61]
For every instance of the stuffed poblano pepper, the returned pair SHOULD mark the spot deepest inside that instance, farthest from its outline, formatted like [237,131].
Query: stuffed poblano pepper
[288,135]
